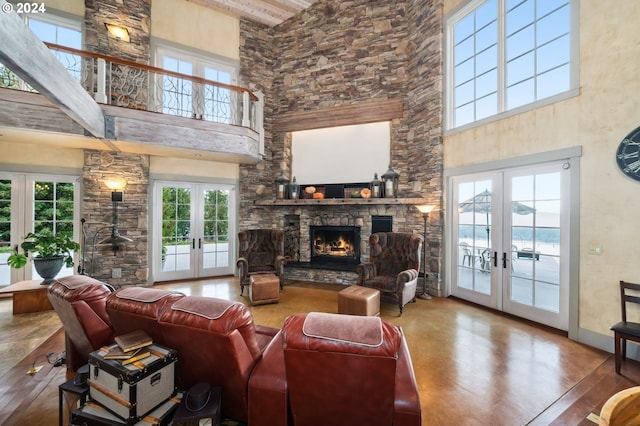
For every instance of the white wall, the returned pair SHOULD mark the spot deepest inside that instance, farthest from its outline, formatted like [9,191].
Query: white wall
[606,110]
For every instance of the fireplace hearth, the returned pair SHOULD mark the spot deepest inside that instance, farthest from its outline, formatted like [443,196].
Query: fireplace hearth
[334,245]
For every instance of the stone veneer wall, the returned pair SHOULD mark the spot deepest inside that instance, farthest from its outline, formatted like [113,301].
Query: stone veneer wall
[134,15]
[97,209]
[338,53]
[132,257]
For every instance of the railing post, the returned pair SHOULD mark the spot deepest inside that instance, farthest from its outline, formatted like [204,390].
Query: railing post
[259,119]
[101,87]
[246,122]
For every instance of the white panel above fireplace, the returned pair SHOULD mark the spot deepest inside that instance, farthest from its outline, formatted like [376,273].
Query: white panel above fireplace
[345,154]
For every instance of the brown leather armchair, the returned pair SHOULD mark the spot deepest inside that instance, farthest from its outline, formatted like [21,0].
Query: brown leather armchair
[394,262]
[217,343]
[80,303]
[332,369]
[260,251]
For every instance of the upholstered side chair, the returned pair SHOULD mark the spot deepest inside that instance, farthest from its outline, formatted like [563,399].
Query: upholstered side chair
[394,262]
[260,251]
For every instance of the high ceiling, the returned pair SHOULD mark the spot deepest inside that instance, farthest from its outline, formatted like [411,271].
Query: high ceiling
[269,12]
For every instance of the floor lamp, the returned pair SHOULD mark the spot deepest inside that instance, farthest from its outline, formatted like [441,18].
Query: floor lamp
[425,209]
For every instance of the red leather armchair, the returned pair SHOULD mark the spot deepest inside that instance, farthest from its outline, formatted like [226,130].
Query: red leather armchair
[260,251]
[394,262]
[218,343]
[80,303]
[331,369]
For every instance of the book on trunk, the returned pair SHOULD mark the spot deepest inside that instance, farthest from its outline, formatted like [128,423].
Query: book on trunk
[133,340]
[115,352]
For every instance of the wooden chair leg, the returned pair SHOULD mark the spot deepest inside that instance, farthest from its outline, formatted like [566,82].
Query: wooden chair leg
[617,341]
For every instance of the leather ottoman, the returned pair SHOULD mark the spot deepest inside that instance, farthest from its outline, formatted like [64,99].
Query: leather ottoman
[264,288]
[358,300]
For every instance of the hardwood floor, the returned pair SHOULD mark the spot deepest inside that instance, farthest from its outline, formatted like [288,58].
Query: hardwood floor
[473,366]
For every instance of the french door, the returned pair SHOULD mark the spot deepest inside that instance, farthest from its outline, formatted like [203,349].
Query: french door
[35,203]
[193,230]
[510,241]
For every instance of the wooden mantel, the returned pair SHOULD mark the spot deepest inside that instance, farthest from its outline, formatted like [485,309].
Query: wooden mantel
[342,201]
[361,113]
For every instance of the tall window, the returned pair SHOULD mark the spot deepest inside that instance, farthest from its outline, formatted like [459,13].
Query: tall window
[52,29]
[505,54]
[198,100]
[64,32]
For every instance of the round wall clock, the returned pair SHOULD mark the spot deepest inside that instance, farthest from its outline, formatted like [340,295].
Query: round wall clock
[628,155]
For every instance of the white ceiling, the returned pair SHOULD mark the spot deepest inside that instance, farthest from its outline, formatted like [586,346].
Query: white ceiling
[269,12]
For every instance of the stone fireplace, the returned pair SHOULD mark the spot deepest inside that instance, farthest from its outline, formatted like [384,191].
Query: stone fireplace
[331,245]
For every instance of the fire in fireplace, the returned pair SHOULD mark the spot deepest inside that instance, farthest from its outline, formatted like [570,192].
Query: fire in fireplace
[335,244]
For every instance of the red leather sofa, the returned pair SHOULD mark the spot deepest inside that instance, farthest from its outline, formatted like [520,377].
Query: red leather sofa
[319,369]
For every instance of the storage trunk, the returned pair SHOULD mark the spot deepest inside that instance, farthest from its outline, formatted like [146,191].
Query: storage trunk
[133,390]
[94,414]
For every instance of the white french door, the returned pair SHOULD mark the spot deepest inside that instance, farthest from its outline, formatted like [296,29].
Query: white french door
[510,241]
[35,203]
[193,230]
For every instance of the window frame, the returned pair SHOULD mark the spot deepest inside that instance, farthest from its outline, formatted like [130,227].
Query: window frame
[462,12]
[199,61]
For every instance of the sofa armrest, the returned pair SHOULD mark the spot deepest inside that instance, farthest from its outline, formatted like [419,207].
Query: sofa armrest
[366,271]
[408,411]
[264,336]
[268,394]
[406,276]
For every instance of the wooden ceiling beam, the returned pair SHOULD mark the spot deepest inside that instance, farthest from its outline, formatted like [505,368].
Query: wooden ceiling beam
[257,10]
[23,53]
[361,113]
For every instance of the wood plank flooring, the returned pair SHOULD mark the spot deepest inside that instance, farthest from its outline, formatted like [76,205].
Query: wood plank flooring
[473,366]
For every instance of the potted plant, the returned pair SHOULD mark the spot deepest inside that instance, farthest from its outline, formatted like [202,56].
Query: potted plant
[51,252]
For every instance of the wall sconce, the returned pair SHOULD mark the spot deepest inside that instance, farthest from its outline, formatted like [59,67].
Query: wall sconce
[390,181]
[118,32]
[425,209]
[117,196]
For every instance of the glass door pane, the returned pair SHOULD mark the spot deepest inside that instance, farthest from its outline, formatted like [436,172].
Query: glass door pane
[5,231]
[216,255]
[535,229]
[176,229]
[473,222]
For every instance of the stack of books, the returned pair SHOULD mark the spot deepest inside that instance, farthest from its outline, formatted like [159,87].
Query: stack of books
[131,347]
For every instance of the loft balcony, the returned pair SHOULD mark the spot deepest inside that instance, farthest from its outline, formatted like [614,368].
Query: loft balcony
[141,109]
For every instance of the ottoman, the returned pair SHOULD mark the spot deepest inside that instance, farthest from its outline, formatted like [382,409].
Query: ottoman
[358,300]
[264,288]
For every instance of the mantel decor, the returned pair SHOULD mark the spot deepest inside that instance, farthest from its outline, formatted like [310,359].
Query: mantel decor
[281,186]
[390,181]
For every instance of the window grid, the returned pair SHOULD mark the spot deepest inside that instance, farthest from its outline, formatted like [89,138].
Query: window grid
[506,54]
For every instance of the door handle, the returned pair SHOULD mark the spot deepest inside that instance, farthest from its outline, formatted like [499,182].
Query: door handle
[200,243]
[193,243]
[504,260]
[495,259]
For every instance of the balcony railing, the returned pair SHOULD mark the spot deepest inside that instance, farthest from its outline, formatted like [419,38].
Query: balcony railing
[129,84]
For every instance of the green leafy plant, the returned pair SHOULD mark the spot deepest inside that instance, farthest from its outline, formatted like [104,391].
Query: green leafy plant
[45,245]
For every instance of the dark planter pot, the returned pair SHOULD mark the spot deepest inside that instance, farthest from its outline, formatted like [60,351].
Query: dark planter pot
[48,268]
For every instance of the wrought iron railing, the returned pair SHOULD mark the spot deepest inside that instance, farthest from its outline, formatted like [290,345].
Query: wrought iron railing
[129,84]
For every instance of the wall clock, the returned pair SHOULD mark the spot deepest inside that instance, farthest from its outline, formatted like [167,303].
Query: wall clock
[628,155]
